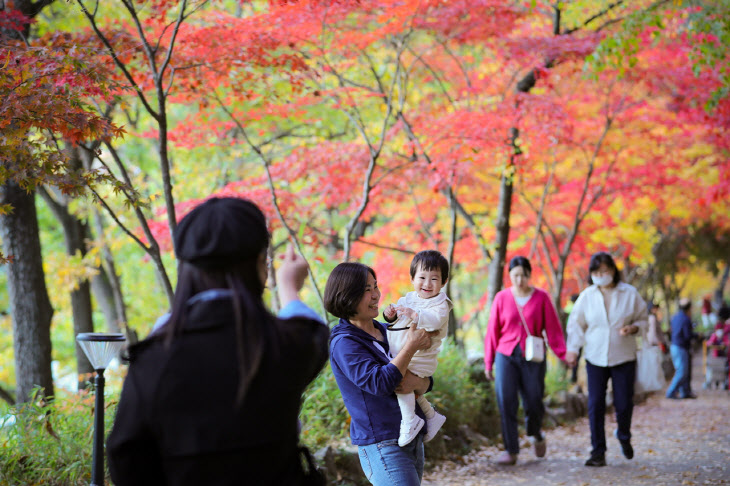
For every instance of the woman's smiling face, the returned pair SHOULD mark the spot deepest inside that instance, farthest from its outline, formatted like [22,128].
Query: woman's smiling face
[368,306]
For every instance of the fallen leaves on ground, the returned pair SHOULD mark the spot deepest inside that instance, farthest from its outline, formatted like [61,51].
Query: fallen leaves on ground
[683,442]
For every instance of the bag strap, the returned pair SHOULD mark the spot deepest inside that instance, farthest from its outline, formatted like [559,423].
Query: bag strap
[522,316]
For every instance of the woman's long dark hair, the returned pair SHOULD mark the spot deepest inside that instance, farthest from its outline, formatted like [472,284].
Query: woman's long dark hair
[252,319]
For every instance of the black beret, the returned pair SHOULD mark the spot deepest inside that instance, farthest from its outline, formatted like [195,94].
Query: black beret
[221,231]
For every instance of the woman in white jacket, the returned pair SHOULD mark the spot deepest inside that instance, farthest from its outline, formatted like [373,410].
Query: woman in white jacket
[605,321]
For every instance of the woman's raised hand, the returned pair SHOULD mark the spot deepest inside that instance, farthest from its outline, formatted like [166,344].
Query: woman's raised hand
[291,275]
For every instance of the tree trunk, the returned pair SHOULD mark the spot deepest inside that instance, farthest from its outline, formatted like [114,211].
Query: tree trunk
[451,332]
[496,266]
[75,233]
[7,396]
[29,303]
[558,291]
[83,322]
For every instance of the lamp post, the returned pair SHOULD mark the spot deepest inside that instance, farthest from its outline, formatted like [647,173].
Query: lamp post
[100,348]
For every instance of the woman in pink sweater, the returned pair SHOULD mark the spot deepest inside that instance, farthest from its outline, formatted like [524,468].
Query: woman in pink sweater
[504,361]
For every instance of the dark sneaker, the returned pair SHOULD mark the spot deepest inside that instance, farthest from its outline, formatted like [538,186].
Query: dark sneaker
[596,461]
[691,395]
[627,449]
[540,446]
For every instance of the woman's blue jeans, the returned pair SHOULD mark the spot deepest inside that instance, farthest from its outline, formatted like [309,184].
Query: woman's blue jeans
[387,464]
[680,382]
[516,376]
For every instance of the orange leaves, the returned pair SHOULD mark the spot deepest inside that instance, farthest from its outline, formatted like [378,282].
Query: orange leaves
[45,95]
[429,88]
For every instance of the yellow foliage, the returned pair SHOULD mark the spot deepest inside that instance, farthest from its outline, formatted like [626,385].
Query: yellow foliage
[7,370]
[633,227]
[65,272]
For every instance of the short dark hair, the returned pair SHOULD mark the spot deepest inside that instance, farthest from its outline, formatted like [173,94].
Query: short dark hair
[345,288]
[430,260]
[599,258]
[520,261]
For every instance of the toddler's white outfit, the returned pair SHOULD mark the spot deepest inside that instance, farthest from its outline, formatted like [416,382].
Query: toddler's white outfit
[433,315]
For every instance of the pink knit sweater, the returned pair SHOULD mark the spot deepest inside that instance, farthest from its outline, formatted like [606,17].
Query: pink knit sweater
[505,329]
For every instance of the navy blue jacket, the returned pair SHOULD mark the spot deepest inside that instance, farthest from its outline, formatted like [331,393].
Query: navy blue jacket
[681,330]
[367,381]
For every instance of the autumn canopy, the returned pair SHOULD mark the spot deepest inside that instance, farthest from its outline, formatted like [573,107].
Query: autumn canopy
[368,130]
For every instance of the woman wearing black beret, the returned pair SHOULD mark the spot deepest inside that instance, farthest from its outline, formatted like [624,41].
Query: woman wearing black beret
[213,396]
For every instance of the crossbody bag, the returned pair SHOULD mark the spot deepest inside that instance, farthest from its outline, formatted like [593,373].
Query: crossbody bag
[534,346]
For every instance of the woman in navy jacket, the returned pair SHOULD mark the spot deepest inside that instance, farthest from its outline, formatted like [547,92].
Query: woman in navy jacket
[368,376]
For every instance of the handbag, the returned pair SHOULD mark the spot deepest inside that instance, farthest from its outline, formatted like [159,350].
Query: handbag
[313,476]
[534,346]
[649,371]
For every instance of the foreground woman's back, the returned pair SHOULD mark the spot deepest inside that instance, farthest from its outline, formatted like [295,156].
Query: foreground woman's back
[212,397]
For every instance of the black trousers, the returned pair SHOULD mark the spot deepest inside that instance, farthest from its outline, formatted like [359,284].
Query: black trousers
[622,377]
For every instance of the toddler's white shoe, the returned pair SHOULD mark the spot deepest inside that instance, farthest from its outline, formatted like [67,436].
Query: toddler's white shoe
[433,425]
[409,430]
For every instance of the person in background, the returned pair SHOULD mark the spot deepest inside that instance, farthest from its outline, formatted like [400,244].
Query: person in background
[723,317]
[706,313]
[427,307]
[605,321]
[680,349]
[369,377]
[654,333]
[513,309]
[718,342]
[213,396]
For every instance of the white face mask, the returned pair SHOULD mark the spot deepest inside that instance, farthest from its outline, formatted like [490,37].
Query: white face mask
[719,333]
[602,280]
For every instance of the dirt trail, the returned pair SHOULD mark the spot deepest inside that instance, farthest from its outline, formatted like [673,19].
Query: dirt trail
[676,442]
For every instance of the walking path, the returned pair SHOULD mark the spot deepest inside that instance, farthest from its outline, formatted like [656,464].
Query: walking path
[676,442]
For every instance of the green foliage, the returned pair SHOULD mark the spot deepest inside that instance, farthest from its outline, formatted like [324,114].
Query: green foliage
[556,377]
[706,23]
[455,393]
[710,23]
[619,51]
[51,444]
[7,370]
[324,416]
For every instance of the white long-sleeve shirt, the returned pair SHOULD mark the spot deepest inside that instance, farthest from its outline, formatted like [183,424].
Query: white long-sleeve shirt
[594,324]
[433,315]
